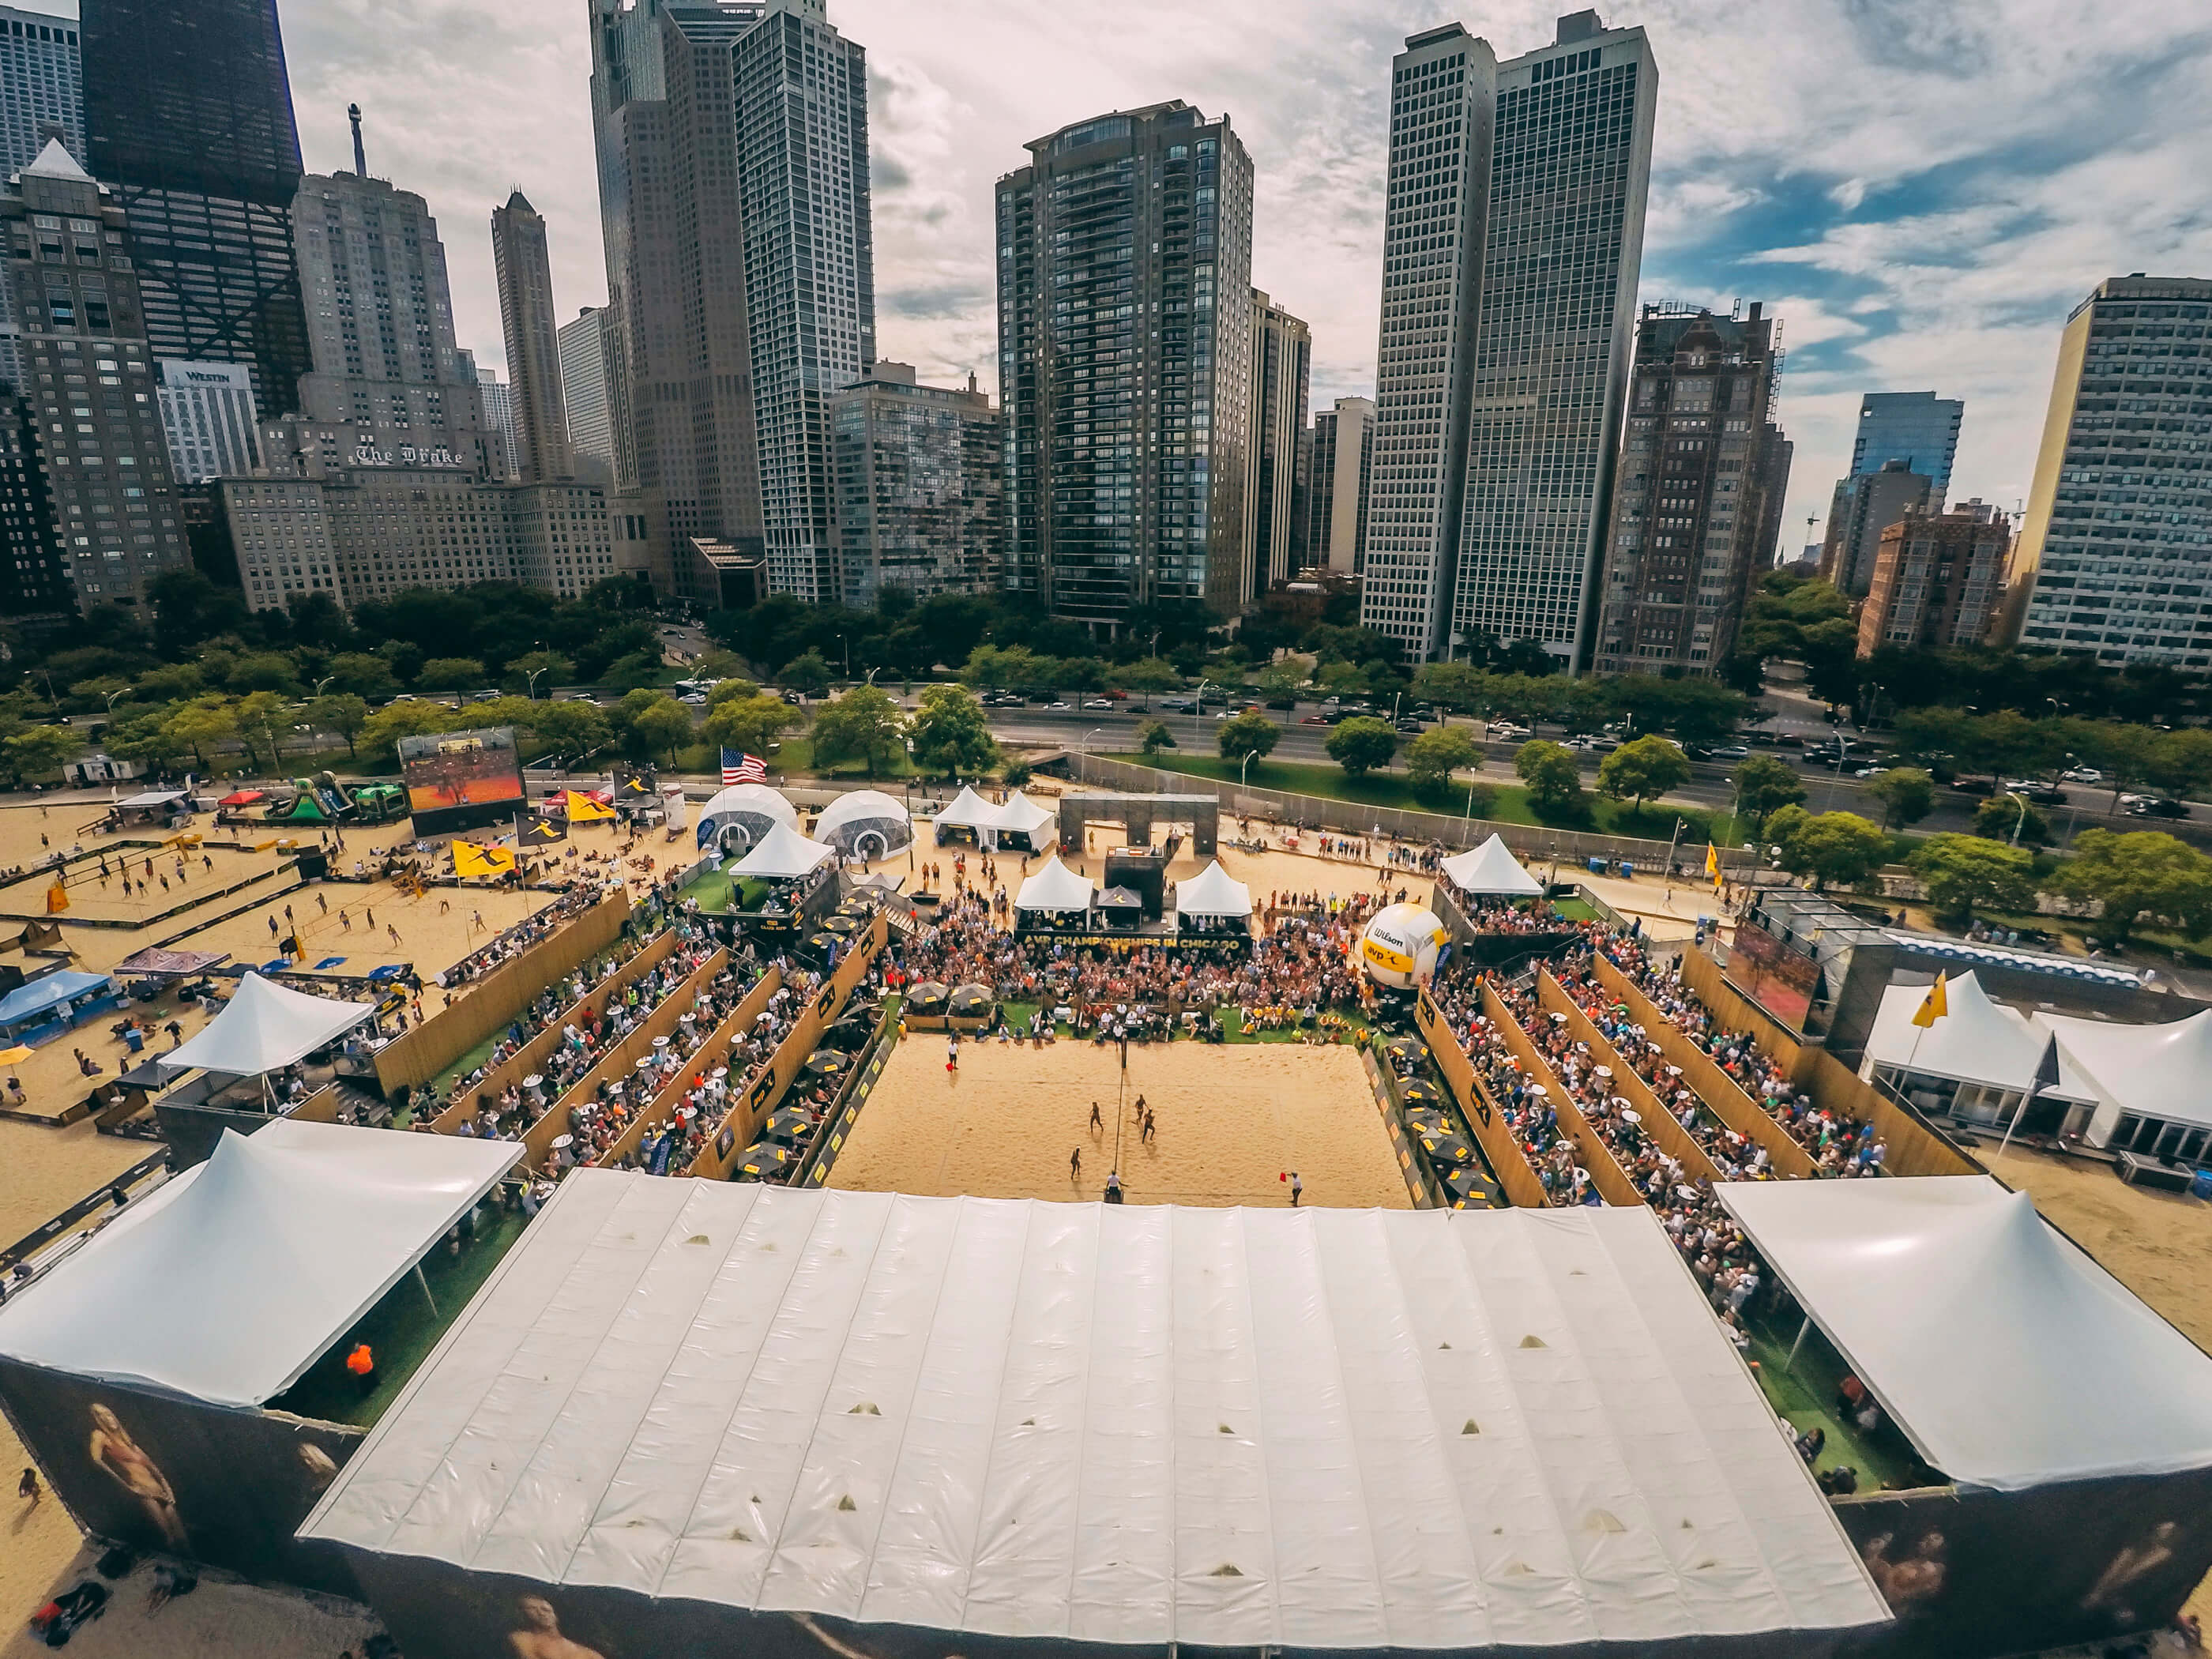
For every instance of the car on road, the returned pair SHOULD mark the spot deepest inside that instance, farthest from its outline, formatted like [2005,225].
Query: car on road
[1868,771]
[1588,743]
[1179,706]
[2081,774]
[1412,724]
[1318,719]
[2154,806]
[796,699]
[1060,707]
[1729,751]
[1507,732]
[1097,702]
[693,700]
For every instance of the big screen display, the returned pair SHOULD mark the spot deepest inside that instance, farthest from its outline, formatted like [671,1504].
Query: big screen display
[461,780]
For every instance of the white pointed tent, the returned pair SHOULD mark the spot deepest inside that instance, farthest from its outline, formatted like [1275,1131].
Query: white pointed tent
[1022,816]
[1212,892]
[783,854]
[1978,1041]
[968,811]
[1055,888]
[264,1027]
[744,813]
[227,1282]
[1491,871]
[865,824]
[2007,1357]
[2162,1071]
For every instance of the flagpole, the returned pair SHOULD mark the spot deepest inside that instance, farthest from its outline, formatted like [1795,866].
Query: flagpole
[2049,1062]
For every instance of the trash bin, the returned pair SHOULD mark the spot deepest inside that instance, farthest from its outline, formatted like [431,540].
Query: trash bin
[2200,1184]
[1627,871]
[1597,866]
[134,1039]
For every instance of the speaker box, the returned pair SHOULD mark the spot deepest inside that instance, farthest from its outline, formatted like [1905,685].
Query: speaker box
[314,866]
[11,978]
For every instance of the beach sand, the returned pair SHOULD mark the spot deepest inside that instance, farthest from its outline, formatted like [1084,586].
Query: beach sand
[1232,1122]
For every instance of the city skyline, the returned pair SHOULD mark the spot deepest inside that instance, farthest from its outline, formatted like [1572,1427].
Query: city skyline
[1910,227]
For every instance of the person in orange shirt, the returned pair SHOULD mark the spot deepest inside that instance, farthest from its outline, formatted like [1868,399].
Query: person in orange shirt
[362,1363]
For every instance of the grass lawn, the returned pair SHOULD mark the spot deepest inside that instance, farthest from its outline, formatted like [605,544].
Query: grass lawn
[712,889]
[1508,803]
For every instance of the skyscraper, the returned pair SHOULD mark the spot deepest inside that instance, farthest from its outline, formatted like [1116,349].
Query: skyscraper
[1339,465]
[1863,506]
[499,420]
[584,388]
[188,111]
[207,409]
[41,93]
[89,373]
[1916,427]
[2116,552]
[524,271]
[1282,360]
[1125,346]
[1937,579]
[920,475]
[1691,512]
[802,166]
[1512,241]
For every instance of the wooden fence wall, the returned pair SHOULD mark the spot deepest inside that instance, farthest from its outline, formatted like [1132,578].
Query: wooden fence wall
[1738,1012]
[1507,1161]
[1659,1124]
[1611,1181]
[715,1051]
[1910,1146]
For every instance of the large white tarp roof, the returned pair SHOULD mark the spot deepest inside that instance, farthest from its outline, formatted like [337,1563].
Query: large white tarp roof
[1019,812]
[1978,1041]
[2008,1358]
[1319,1429]
[782,853]
[1212,892]
[1491,870]
[1055,887]
[2158,1071]
[265,1026]
[967,810]
[226,1283]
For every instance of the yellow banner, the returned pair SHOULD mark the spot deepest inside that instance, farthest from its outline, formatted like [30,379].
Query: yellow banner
[470,859]
[582,809]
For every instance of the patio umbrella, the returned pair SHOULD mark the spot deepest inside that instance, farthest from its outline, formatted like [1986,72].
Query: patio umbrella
[1422,1093]
[1448,1149]
[859,908]
[767,1157]
[1410,1051]
[927,998]
[1428,1122]
[788,1123]
[10,1055]
[1471,1190]
[970,1000]
[829,1062]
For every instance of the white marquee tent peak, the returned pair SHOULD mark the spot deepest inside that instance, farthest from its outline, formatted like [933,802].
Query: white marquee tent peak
[1491,870]
[783,853]
[1212,892]
[1977,1040]
[1056,887]
[264,1027]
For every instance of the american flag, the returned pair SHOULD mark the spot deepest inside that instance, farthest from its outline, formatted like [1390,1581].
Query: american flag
[742,768]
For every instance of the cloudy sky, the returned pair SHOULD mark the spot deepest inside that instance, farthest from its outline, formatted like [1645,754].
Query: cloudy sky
[1921,189]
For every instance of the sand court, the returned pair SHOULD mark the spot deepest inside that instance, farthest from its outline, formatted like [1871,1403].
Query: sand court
[1232,1120]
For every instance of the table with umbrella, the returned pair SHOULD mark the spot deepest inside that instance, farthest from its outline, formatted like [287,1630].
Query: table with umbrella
[843,926]
[1406,1053]
[1448,1148]
[788,1124]
[1421,1092]
[1471,1190]
[1424,1120]
[928,998]
[970,1002]
[829,1062]
[765,1159]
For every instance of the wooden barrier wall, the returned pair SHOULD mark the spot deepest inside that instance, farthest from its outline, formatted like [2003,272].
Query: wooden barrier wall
[749,1112]
[532,1057]
[621,1060]
[1611,1181]
[1507,1161]
[1659,1124]
[715,1051]
[1910,1148]
[1738,1012]
[493,1000]
[321,1107]
[1712,1085]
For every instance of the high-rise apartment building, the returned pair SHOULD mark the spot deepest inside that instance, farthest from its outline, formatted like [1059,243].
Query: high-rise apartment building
[583,389]
[1863,506]
[1918,427]
[2115,556]
[1512,240]
[1282,362]
[36,590]
[188,111]
[1339,465]
[1688,534]
[525,272]
[381,313]
[499,420]
[920,476]
[41,92]
[207,409]
[87,374]
[802,161]
[1125,345]
[1937,579]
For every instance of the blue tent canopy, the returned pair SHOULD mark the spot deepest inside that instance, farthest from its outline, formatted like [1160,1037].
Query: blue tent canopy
[31,1004]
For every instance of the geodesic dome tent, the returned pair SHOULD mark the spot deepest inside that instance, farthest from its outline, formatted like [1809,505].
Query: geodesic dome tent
[865,824]
[739,818]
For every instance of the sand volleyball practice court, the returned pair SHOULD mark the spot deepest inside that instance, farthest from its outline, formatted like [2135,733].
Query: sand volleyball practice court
[1232,1120]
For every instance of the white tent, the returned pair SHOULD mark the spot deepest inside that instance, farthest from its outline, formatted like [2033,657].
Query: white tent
[1020,815]
[865,824]
[782,853]
[1491,870]
[1055,887]
[744,813]
[1978,1041]
[1081,1423]
[226,1283]
[968,811]
[2007,1357]
[2162,1071]
[265,1026]
[1212,892]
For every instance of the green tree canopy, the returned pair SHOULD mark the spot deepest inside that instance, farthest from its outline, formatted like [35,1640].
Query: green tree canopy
[734,690]
[1643,769]
[1250,733]
[1361,745]
[2011,819]
[36,750]
[1553,778]
[1432,757]
[534,669]
[1764,785]
[455,674]
[1907,795]
[395,720]
[1834,847]
[809,671]
[364,674]
[1962,872]
[340,712]
[1154,736]
[662,726]
[865,724]
[751,724]
[1145,676]
[2141,876]
[574,729]
[951,733]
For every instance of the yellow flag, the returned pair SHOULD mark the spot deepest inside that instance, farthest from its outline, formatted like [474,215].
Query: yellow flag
[470,859]
[1713,861]
[582,809]
[56,898]
[1933,1006]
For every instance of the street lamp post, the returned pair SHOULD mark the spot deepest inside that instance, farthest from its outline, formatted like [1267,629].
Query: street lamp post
[1083,747]
[1198,709]
[1244,770]
[2019,823]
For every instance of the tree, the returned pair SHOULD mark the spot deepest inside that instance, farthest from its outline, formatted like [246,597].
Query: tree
[573,729]
[1907,795]
[751,725]
[1278,683]
[1361,746]
[344,713]
[454,674]
[734,690]
[1457,686]
[533,666]
[2141,876]
[2010,818]
[1251,734]
[1145,676]
[1961,871]
[1554,781]
[1783,823]
[1840,847]
[144,738]
[951,732]
[1640,769]
[809,672]
[2181,762]
[38,750]
[1432,757]
[260,715]
[661,725]
[395,720]
[864,725]
[1154,736]
[1764,786]
[364,674]
[203,724]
